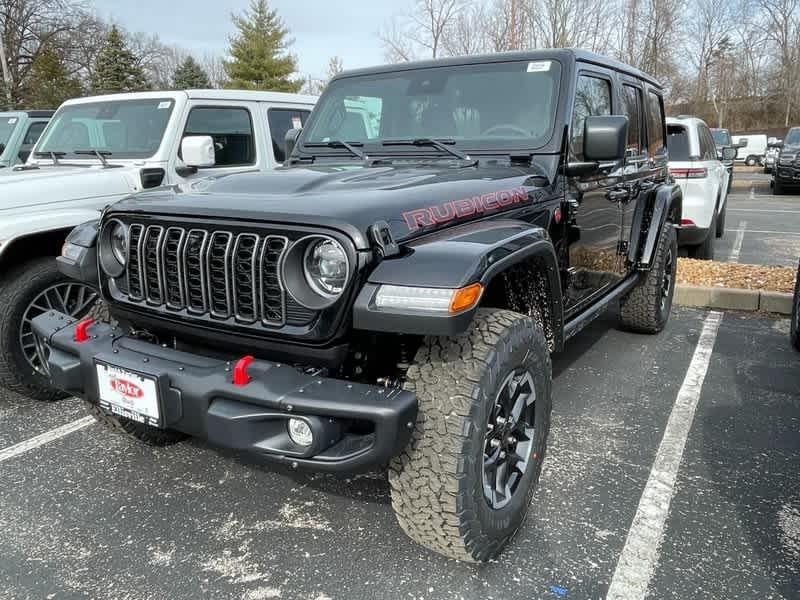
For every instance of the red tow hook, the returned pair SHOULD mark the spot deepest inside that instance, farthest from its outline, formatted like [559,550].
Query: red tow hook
[81,330]
[240,376]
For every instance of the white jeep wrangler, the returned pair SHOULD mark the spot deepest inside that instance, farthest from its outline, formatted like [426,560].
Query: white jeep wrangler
[96,151]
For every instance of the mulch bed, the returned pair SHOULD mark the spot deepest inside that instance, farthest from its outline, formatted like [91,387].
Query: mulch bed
[710,273]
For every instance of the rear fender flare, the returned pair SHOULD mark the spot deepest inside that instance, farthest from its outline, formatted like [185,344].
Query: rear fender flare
[663,203]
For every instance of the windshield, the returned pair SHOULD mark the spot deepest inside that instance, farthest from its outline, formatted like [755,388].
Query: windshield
[485,106]
[7,126]
[721,137]
[793,137]
[678,143]
[123,128]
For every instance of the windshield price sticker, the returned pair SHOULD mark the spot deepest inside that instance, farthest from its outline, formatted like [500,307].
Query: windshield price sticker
[540,66]
[12,120]
[297,123]
[163,105]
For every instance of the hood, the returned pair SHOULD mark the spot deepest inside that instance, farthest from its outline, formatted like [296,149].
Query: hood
[412,199]
[55,187]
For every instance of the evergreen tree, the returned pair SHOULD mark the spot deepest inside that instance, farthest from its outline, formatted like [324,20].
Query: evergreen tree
[190,75]
[50,82]
[259,52]
[116,68]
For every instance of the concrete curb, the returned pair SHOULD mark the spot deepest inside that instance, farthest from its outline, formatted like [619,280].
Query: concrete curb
[733,299]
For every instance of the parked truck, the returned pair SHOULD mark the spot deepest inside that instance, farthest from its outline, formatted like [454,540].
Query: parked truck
[96,151]
[19,131]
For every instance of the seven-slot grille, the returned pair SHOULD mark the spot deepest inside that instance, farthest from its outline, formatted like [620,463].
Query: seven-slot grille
[216,273]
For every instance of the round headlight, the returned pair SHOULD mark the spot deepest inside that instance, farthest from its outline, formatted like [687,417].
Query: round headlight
[119,242]
[113,247]
[326,267]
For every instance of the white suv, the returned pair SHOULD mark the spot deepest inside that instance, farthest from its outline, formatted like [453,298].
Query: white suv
[696,167]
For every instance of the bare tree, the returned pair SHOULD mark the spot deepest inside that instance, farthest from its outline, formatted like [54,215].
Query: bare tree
[423,30]
[782,29]
[214,66]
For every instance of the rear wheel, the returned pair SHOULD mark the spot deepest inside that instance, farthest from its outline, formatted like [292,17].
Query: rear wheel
[27,291]
[721,221]
[463,485]
[751,161]
[646,308]
[705,250]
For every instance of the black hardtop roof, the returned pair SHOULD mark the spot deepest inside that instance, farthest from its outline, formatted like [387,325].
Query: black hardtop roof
[567,55]
[39,114]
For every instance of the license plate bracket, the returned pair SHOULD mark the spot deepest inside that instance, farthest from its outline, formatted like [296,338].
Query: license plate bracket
[129,394]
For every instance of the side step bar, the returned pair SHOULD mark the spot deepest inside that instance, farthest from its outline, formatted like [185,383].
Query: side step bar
[578,322]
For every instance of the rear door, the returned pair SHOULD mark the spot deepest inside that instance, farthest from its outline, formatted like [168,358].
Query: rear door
[717,173]
[637,160]
[594,259]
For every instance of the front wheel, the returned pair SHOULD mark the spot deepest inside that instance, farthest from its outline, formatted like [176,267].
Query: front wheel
[27,291]
[646,308]
[751,161]
[463,485]
[777,188]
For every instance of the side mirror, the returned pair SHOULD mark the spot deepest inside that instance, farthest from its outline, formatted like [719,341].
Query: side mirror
[605,138]
[729,153]
[198,151]
[290,141]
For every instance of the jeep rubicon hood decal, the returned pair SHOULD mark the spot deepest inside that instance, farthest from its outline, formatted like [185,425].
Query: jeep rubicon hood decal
[412,199]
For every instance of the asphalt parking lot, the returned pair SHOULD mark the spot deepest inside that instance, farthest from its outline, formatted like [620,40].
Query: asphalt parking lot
[760,228]
[95,515]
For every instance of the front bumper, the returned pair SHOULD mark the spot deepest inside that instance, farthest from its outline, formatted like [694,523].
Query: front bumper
[787,175]
[364,425]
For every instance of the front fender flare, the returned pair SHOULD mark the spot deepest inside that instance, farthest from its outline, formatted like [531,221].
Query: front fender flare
[453,259]
[663,203]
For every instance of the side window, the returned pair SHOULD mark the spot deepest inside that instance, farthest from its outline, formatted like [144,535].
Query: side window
[232,132]
[33,133]
[280,121]
[632,105]
[708,146]
[592,98]
[655,124]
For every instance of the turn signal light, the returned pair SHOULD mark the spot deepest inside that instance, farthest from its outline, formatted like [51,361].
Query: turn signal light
[465,297]
[81,330]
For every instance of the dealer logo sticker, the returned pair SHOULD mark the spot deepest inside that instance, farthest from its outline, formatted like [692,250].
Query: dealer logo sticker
[126,388]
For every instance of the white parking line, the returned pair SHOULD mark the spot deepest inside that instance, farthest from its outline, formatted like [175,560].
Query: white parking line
[763,210]
[737,245]
[768,232]
[44,438]
[639,557]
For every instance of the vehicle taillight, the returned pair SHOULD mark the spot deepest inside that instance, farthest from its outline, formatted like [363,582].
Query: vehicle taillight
[687,222]
[693,173]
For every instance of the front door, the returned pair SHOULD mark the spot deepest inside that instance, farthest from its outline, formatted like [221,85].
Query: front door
[596,263]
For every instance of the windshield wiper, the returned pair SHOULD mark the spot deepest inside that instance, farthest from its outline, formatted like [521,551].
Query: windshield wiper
[338,144]
[439,144]
[54,156]
[100,154]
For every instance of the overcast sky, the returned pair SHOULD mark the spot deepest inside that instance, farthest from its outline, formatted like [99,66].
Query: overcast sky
[320,28]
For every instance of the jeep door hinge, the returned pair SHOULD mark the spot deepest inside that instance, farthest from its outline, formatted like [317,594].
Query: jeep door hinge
[622,247]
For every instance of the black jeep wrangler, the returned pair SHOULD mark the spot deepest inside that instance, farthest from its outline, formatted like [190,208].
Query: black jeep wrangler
[393,295]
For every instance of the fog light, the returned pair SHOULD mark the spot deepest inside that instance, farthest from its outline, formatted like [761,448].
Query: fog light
[300,432]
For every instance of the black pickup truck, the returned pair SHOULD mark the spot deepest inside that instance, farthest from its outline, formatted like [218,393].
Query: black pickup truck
[391,298]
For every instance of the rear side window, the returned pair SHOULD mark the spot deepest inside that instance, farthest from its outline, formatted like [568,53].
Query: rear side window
[678,143]
[280,121]
[592,98]
[632,105]
[232,132]
[33,133]
[655,123]
[708,149]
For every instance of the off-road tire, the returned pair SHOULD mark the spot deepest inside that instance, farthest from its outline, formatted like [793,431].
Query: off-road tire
[152,436]
[642,309]
[18,288]
[721,221]
[794,331]
[437,481]
[705,250]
